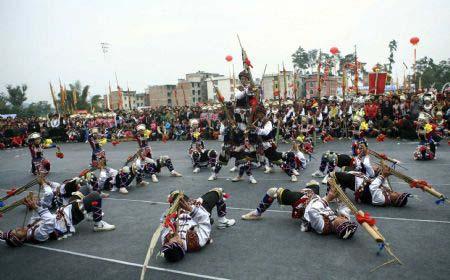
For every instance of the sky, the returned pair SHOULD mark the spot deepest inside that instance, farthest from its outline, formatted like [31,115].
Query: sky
[157,42]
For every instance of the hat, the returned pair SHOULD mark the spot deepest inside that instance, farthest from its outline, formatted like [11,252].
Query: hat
[313,185]
[243,74]
[401,200]
[34,135]
[173,252]
[12,239]
[345,230]
[140,127]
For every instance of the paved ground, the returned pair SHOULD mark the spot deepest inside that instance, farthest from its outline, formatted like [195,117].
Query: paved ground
[273,248]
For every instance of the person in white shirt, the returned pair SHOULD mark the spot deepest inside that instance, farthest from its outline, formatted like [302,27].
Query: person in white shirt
[312,210]
[370,190]
[190,230]
[46,225]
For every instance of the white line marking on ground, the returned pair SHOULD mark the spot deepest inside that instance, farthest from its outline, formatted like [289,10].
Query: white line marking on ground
[283,211]
[125,263]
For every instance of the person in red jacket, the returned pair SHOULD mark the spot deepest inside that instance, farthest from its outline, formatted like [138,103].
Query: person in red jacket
[371,110]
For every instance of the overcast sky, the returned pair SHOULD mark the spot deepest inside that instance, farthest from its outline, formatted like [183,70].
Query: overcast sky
[157,42]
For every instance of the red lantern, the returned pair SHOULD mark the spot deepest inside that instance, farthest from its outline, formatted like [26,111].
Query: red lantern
[228,58]
[334,50]
[414,40]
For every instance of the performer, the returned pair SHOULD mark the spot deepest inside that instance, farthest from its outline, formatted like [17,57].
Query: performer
[145,162]
[202,157]
[47,226]
[190,230]
[358,132]
[360,163]
[313,211]
[245,96]
[426,150]
[331,160]
[265,131]
[124,178]
[98,154]
[195,137]
[39,164]
[245,158]
[300,161]
[371,190]
[153,167]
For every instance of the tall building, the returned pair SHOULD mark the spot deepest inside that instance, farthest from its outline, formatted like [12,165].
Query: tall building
[199,89]
[330,85]
[274,84]
[225,86]
[124,101]
[161,95]
[140,100]
[193,88]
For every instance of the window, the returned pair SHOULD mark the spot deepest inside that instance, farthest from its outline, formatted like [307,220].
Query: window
[193,92]
[311,92]
[193,99]
[193,84]
[311,84]
[169,94]
[198,92]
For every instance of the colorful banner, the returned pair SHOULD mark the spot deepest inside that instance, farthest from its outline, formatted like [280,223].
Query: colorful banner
[377,82]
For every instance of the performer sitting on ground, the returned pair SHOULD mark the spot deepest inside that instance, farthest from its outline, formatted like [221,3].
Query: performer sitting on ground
[373,191]
[190,230]
[39,164]
[313,211]
[360,163]
[47,226]
[145,163]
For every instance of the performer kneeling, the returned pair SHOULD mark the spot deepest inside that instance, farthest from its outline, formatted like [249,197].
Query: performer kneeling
[313,210]
[47,226]
[191,229]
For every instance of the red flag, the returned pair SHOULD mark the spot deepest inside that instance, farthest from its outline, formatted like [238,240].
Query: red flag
[248,63]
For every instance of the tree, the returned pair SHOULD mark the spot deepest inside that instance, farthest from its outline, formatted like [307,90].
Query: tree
[81,95]
[95,102]
[392,49]
[4,108]
[300,59]
[432,74]
[312,58]
[41,109]
[16,96]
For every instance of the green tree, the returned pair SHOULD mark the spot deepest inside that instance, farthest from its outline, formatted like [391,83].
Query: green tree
[432,74]
[95,103]
[392,49]
[4,108]
[38,109]
[300,59]
[312,59]
[16,96]
[81,93]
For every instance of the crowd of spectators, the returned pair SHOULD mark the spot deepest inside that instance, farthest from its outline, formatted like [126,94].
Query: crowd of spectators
[393,115]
